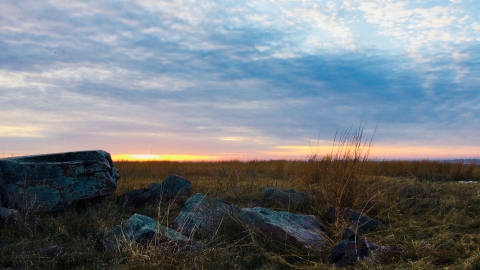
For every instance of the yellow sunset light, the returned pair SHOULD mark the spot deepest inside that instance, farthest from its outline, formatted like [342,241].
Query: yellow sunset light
[167,157]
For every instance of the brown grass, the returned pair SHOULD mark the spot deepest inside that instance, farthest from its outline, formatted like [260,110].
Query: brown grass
[431,218]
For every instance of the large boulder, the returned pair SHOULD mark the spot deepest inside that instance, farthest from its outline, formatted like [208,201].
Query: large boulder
[202,216]
[142,229]
[356,220]
[300,230]
[287,198]
[50,182]
[173,188]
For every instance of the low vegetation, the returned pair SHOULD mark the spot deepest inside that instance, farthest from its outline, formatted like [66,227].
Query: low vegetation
[431,218]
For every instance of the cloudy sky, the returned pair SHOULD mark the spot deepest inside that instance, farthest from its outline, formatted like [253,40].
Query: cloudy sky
[239,79]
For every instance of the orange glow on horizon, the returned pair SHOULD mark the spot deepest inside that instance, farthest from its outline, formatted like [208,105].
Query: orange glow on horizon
[151,157]
[300,152]
[382,151]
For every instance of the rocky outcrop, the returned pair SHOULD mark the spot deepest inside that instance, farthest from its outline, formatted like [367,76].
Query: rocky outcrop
[142,229]
[352,248]
[50,182]
[202,215]
[301,230]
[173,188]
[356,220]
[286,199]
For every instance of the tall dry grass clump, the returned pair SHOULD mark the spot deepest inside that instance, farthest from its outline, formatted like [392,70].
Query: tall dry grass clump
[339,177]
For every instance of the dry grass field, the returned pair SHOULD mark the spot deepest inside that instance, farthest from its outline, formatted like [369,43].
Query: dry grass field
[431,218]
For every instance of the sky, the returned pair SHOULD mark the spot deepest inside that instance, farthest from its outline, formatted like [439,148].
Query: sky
[210,80]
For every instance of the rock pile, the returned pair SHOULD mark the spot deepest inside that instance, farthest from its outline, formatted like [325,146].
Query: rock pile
[52,182]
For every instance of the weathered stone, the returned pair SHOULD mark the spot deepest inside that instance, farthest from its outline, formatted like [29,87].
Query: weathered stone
[353,248]
[173,188]
[301,230]
[140,229]
[9,216]
[287,198]
[356,220]
[202,215]
[50,182]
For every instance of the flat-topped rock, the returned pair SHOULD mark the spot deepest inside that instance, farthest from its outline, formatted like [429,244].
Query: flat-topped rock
[52,181]
[301,230]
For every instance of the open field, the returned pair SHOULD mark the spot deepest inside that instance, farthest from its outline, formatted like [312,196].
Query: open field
[431,219]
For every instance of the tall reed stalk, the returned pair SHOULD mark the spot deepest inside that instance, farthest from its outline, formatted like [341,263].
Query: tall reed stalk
[338,175]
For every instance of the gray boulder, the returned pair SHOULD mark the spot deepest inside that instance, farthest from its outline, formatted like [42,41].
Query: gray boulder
[287,198]
[9,216]
[301,230]
[50,182]
[203,216]
[356,220]
[140,229]
[173,188]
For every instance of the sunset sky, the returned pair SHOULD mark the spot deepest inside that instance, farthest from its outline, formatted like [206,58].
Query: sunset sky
[208,80]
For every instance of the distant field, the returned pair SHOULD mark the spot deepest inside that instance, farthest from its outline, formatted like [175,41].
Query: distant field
[431,218]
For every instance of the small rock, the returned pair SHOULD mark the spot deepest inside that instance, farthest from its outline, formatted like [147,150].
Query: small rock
[353,248]
[140,229]
[173,188]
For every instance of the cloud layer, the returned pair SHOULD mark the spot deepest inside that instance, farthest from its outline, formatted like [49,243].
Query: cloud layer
[237,79]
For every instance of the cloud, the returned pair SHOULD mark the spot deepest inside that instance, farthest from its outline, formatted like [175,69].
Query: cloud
[248,75]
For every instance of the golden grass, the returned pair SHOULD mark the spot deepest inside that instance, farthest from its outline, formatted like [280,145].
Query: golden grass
[431,218]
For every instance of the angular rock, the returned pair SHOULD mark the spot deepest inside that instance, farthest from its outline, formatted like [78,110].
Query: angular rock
[356,220]
[353,248]
[301,230]
[287,198]
[139,229]
[202,215]
[173,187]
[9,216]
[50,182]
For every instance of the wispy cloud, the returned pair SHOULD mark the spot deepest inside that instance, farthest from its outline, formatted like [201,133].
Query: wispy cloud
[235,78]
